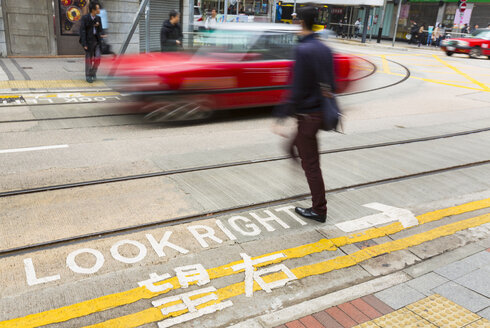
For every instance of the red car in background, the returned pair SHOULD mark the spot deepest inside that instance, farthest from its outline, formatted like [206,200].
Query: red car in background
[233,66]
[475,45]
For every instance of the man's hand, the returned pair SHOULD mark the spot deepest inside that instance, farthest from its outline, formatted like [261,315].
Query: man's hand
[178,42]
[279,128]
[86,48]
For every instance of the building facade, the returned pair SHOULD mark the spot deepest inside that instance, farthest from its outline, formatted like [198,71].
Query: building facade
[432,12]
[49,28]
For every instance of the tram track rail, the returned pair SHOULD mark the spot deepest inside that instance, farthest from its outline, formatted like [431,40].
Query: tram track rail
[155,174]
[209,215]
[112,115]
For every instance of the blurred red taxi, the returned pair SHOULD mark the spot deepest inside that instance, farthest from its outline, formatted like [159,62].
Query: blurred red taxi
[475,45]
[232,66]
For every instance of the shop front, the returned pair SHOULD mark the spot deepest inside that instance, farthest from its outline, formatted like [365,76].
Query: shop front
[237,10]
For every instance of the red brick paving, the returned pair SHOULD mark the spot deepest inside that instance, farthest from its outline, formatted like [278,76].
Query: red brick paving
[341,317]
[353,312]
[311,322]
[367,309]
[377,304]
[295,324]
[326,320]
[345,315]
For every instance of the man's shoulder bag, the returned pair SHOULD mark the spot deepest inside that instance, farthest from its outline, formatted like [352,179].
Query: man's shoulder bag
[330,109]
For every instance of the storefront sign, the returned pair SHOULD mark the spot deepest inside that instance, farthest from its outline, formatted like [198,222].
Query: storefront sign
[463,17]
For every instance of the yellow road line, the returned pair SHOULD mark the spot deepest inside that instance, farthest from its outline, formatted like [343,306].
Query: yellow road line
[386,66]
[429,65]
[28,84]
[391,55]
[482,85]
[440,82]
[154,314]
[447,83]
[74,94]
[133,295]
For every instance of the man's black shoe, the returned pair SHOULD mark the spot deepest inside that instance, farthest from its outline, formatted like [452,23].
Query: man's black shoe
[89,79]
[310,214]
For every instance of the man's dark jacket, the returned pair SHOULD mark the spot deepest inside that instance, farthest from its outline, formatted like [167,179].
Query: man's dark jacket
[313,65]
[414,30]
[87,36]
[169,34]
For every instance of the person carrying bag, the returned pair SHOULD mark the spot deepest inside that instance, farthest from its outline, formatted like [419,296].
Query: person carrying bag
[313,103]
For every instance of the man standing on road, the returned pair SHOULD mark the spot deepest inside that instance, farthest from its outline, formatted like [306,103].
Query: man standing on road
[90,39]
[171,33]
[313,68]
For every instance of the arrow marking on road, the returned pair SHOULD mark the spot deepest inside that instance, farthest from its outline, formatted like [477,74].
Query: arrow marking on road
[389,214]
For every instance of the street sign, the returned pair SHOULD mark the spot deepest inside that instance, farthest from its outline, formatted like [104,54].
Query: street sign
[462,7]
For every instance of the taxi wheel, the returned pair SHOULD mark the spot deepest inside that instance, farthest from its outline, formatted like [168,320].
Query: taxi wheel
[475,52]
[449,53]
[179,111]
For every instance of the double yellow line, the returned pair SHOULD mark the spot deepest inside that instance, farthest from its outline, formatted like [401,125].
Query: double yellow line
[154,314]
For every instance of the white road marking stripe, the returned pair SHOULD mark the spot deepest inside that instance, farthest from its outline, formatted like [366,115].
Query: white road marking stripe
[20,150]
[390,214]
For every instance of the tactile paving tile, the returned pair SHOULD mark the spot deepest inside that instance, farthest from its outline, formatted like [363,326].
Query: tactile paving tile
[402,318]
[369,324]
[482,323]
[442,312]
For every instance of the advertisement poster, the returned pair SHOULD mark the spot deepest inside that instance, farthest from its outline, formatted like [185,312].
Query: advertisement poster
[405,10]
[71,12]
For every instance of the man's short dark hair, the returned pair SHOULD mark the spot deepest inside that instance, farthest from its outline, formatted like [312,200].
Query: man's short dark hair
[308,14]
[173,13]
[214,9]
[93,5]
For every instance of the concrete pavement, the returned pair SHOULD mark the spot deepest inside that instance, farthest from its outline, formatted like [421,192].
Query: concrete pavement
[98,285]
[451,295]
[408,191]
[45,75]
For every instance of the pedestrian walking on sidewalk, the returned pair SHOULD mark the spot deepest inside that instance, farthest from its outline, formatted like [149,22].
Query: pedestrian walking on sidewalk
[421,35]
[312,73]
[295,19]
[105,47]
[90,39]
[171,33]
[212,20]
[357,27]
[436,35]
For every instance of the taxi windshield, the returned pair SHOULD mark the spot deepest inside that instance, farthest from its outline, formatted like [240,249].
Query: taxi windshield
[485,35]
[245,45]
